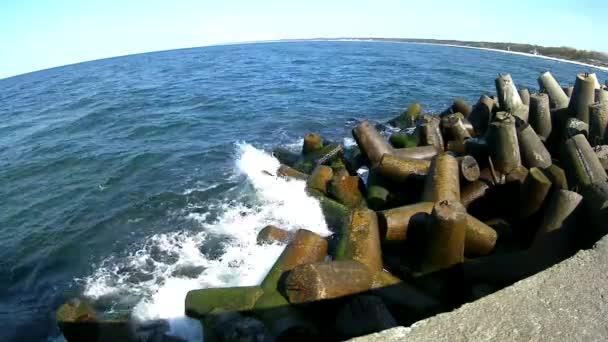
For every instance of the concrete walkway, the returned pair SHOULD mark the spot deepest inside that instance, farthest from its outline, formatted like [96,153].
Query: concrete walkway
[567,302]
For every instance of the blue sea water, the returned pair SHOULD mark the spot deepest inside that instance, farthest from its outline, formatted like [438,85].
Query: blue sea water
[132,180]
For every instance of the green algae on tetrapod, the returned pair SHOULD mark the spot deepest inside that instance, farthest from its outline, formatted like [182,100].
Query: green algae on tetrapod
[334,212]
[404,140]
[200,303]
[305,247]
[409,117]
[312,142]
[360,240]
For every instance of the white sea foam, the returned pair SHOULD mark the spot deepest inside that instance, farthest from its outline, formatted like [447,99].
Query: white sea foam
[349,142]
[296,146]
[160,274]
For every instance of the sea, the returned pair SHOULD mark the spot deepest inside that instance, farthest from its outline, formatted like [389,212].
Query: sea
[130,181]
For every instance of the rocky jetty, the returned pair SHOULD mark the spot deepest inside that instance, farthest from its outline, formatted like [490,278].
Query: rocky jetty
[441,211]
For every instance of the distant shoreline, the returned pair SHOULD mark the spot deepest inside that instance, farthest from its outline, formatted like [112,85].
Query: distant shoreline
[439,43]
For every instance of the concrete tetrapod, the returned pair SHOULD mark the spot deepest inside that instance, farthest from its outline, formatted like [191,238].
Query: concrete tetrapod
[430,132]
[595,200]
[285,156]
[532,150]
[561,204]
[287,172]
[306,247]
[443,180]
[534,190]
[508,97]
[601,95]
[446,231]
[540,115]
[557,176]
[78,321]
[271,307]
[377,193]
[418,152]
[327,280]
[461,106]
[598,120]
[312,142]
[556,241]
[524,94]
[409,117]
[335,213]
[347,190]
[200,303]
[360,240]
[581,164]
[575,126]
[371,142]
[401,169]
[320,178]
[481,114]
[503,144]
[480,239]
[403,140]
[473,191]
[362,314]
[395,222]
[469,169]
[403,298]
[582,97]
[454,128]
[557,97]
[272,234]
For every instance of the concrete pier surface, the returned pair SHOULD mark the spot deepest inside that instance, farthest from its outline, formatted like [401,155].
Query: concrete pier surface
[566,302]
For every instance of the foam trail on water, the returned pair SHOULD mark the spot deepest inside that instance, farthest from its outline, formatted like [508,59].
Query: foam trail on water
[160,274]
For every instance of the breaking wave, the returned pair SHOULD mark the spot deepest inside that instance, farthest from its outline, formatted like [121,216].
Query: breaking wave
[154,279]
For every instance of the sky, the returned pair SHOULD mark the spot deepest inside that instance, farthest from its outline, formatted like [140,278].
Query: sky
[39,34]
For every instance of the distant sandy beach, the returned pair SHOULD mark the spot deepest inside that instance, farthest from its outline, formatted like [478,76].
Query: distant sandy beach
[476,48]
[526,54]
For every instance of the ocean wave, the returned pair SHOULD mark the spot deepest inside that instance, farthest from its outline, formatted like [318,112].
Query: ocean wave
[154,279]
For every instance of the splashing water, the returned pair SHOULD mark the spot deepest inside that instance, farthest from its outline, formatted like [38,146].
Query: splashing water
[169,265]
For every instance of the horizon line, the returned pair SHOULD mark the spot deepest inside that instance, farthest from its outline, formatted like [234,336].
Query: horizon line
[344,39]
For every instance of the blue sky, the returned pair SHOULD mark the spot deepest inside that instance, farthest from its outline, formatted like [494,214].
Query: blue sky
[38,34]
